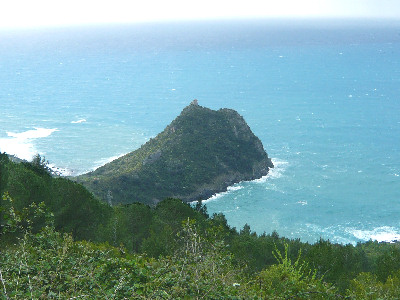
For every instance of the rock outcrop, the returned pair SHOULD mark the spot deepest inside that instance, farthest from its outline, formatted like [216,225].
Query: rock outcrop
[200,153]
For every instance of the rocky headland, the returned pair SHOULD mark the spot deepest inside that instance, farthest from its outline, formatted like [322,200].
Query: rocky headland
[200,153]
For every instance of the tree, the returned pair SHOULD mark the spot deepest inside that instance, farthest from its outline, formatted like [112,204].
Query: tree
[202,208]
[40,165]
[3,182]
[3,172]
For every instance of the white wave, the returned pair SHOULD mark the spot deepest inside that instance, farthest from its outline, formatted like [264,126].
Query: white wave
[21,144]
[234,188]
[21,149]
[229,189]
[32,134]
[302,202]
[215,197]
[380,234]
[275,172]
[78,121]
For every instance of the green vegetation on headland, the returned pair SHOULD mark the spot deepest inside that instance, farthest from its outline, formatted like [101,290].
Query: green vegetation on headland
[57,241]
[200,153]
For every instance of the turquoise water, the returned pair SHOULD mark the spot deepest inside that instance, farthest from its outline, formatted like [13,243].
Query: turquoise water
[323,98]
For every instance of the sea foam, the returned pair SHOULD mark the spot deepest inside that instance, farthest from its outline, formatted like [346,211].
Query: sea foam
[22,144]
[229,190]
[275,172]
[32,134]
[78,121]
[380,234]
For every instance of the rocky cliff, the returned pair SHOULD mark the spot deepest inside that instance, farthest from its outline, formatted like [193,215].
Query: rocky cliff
[200,153]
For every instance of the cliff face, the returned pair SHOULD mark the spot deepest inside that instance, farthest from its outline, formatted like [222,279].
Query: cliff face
[200,153]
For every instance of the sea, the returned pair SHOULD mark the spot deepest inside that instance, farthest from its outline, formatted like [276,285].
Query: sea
[322,95]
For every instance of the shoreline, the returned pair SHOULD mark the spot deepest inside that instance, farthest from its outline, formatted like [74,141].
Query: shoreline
[274,172]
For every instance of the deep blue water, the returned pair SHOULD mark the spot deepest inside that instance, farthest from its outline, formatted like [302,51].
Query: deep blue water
[323,97]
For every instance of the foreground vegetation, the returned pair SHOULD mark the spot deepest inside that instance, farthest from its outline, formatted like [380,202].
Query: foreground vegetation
[58,241]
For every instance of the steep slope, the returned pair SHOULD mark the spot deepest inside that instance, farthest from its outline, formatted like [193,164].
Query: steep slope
[200,153]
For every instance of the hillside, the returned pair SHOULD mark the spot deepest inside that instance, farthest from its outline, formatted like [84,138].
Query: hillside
[74,208]
[200,153]
[171,250]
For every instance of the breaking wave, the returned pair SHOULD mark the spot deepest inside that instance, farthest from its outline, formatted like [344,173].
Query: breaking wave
[22,144]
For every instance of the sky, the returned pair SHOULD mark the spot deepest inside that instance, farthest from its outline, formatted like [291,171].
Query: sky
[50,13]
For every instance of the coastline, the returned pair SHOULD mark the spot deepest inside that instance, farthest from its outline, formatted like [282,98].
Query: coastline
[274,172]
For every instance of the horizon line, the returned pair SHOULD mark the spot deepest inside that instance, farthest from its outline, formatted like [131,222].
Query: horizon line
[319,19]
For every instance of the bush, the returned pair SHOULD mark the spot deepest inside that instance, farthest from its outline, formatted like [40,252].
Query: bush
[287,280]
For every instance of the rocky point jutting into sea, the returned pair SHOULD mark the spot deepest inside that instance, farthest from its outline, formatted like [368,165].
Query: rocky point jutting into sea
[200,153]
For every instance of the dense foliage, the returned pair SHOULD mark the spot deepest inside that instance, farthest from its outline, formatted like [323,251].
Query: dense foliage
[201,152]
[49,264]
[58,241]
[75,209]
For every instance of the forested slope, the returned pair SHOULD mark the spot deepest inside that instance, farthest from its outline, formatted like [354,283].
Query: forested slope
[59,241]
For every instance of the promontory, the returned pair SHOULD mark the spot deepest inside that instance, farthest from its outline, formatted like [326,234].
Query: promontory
[200,153]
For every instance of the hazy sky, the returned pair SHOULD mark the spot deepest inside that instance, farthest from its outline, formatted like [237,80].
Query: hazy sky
[34,13]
